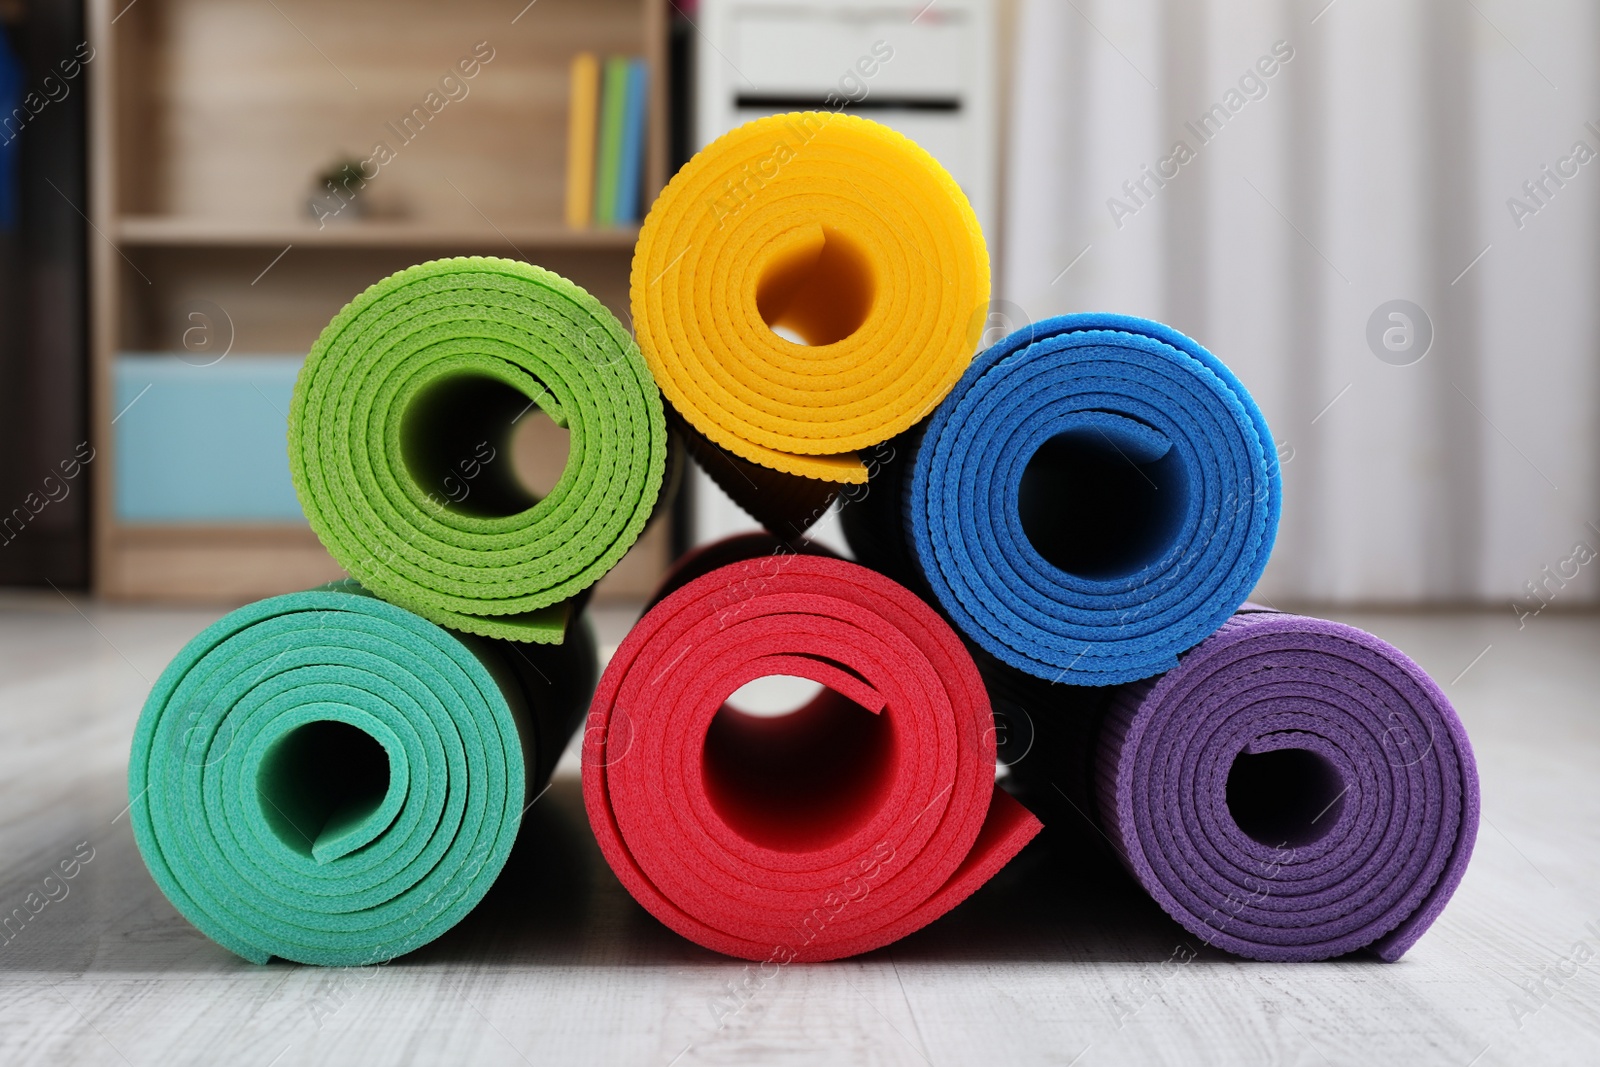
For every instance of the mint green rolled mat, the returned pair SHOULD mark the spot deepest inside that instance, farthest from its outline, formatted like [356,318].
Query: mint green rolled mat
[328,778]
[400,437]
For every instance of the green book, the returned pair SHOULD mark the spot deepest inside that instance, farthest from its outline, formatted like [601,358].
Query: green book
[613,110]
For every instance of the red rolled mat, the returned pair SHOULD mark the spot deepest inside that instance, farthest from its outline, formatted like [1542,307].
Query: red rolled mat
[833,830]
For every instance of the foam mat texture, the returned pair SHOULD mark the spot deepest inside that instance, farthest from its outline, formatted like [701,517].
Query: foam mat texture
[1096,495]
[1296,789]
[833,830]
[840,230]
[331,779]
[400,443]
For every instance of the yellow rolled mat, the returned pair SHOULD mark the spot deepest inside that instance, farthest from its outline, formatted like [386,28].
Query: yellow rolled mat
[841,232]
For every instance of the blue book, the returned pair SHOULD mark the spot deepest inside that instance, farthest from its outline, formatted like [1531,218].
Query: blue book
[630,169]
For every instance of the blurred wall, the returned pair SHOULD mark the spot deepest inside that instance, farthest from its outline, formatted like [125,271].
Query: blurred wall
[1280,180]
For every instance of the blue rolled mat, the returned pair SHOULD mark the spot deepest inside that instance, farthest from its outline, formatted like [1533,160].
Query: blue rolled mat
[1096,495]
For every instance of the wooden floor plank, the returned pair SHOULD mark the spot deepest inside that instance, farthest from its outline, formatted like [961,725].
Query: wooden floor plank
[1054,962]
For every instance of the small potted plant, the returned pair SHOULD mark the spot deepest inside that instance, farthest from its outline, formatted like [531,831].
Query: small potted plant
[339,193]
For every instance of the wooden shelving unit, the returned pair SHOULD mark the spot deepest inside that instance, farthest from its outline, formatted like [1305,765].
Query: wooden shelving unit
[157,231]
[209,121]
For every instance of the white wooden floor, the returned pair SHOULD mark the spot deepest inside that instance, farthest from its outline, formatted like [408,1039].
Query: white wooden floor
[558,966]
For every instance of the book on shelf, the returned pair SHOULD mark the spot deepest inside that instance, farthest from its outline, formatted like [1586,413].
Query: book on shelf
[630,168]
[582,114]
[613,105]
[607,127]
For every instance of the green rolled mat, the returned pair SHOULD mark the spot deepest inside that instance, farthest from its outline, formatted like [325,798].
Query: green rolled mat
[331,779]
[400,433]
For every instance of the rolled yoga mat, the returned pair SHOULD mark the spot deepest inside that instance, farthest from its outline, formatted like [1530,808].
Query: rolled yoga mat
[842,232]
[833,830]
[1096,495]
[400,433]
[1296,789]
[331,779]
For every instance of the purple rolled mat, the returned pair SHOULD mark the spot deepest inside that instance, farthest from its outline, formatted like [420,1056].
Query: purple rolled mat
[1295,789]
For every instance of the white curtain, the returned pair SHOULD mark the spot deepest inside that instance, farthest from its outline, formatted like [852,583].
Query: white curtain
[1382,160]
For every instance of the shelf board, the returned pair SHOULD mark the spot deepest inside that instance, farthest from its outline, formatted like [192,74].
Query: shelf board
[170,231]
[207,563]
